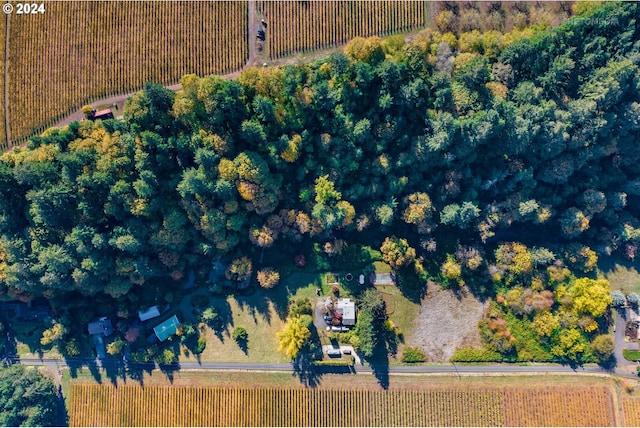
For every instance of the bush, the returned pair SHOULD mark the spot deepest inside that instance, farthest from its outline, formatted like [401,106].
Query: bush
[268,278]
[603,347]
[210,317]
[140,357]
[240,334]
[72,348]
[335,363]
[633,299]
[201,345]
[618,299]
[188,332]
[200,301]
[472,355]
[166,357]
[300,307]
[413,355]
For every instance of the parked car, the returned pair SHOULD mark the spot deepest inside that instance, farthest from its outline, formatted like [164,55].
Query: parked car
[335,352]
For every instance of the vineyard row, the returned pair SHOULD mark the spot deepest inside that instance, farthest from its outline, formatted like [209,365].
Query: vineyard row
[303,26]
[80,52]
[105,405]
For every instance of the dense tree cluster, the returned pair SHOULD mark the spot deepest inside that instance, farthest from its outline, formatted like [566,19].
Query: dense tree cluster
[468,161]
[27,398]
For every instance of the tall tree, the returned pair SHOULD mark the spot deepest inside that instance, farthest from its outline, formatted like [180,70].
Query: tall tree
[27,398]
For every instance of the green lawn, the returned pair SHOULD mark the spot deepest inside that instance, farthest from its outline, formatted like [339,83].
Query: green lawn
[382,267]
[622,274]
[631,355]
[28,336]
[403,315]
[262,314]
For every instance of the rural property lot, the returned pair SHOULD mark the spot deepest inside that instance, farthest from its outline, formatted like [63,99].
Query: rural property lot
[447,321]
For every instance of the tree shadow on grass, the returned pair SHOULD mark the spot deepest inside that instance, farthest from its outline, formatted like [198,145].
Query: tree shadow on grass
[256,304]
[411,287]
[225,317]
[243,344]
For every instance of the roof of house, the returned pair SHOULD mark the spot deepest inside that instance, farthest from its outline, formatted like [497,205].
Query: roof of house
[167,328]
[347,308]
[101,113]
[102,326]
[152,312]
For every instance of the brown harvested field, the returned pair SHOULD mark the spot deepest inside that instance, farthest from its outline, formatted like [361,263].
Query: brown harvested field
[631,408]
[422,405]
[459,312]
[559,406]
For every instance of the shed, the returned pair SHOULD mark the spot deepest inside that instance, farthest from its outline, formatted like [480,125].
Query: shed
[152,312]
[167,328]
[102,326]
[347,308]
[103,114]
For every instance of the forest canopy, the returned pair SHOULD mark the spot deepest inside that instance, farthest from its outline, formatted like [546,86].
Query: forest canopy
[461,163]
[27,398]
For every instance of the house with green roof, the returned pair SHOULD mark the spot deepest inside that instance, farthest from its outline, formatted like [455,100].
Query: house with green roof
[167,328]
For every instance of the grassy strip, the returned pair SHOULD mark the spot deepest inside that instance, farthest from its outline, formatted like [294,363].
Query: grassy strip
[631,355]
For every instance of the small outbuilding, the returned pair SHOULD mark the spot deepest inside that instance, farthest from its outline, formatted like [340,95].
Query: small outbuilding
[347,308]
[150,313]
[167,328]
[103,114]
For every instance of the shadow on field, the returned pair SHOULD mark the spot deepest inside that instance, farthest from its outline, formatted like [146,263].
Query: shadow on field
[136,372]
[307,373]
[380,369]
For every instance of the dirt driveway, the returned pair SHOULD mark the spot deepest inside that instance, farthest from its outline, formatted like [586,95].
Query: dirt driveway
[446,321]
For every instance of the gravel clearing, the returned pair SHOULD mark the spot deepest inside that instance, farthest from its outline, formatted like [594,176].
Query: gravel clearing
[446,321]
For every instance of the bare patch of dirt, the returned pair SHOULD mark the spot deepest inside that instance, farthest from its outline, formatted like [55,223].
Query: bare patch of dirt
[446,321]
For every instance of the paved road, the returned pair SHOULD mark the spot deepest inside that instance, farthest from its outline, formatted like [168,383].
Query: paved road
[496,369]
[620,323]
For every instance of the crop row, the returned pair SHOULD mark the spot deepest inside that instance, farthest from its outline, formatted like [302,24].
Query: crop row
[559,406]
[79,52]
[300,26]
[129,405]
[631,408]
